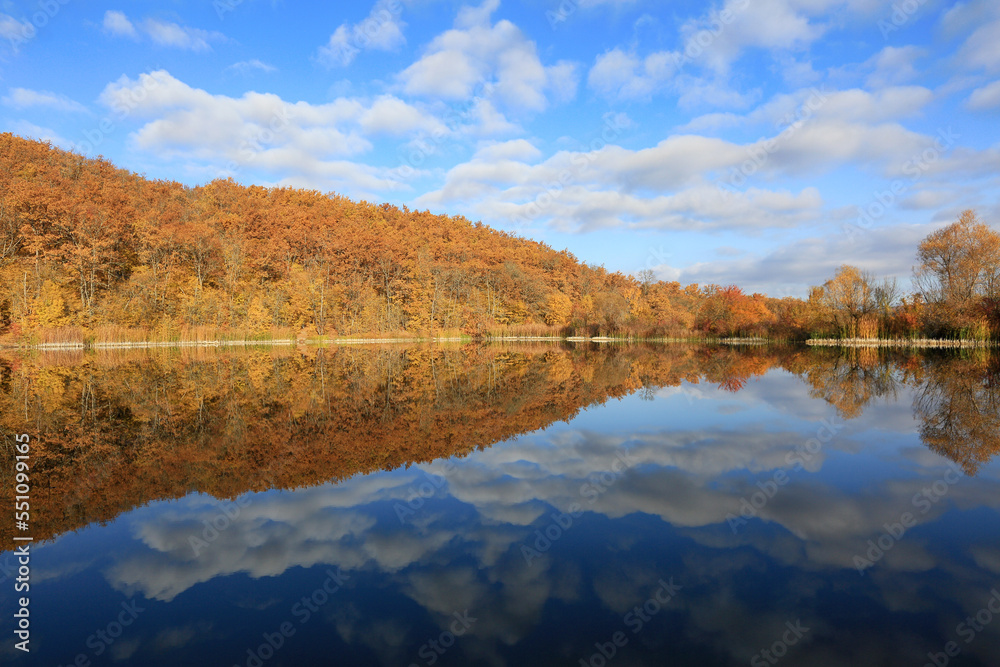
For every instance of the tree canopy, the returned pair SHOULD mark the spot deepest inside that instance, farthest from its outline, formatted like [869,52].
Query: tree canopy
[92,252]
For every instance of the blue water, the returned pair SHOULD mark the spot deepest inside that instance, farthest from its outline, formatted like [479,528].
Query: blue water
[619,538]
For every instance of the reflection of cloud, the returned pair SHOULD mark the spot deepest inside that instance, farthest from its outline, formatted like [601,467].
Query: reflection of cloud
[461,550]
[388,638]
[268,537]
[46,573]
[172,638]
[125,648]
[674,476]
[671,478]
[987,557]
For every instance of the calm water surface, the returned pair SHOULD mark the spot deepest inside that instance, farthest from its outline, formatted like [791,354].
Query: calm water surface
[539,505]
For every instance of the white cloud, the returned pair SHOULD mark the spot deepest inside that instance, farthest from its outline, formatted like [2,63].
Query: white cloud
[163,33]
[487,121]
[893,65]
[32,131]
[985,97]
[673,185]
[715,92]
[11,28]
[516,149]
[887,104]
[177,36]
[116,23]
[793,267]
[303,144]
[811,105]
[714,41]
[504,490]
[662,187]
[981,49]
[23,98]
[713,121]
[338,51]
[470,16]
[620,74]
[391,115]
[496,59]
[798,73]
[248,66]
[710,44]
[382,30]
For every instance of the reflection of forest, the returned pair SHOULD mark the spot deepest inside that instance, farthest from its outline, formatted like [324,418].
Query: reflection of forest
[959,410]
[112,431]
[851,378]
[957,400]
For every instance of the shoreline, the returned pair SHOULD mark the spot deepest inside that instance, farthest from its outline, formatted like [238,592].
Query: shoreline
[923,343]
[320,342]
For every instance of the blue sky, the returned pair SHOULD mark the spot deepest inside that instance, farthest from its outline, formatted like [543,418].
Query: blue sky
[757,142]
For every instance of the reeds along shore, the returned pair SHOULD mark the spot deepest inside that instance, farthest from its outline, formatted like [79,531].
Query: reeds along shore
[900,342]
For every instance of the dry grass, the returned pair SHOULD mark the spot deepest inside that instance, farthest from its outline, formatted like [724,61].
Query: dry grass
[532,330]
[898,342]
[58,337]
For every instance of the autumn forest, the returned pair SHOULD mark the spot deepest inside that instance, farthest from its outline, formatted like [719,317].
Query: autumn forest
[93,253]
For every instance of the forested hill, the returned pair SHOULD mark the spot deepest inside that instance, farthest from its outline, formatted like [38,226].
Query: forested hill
[92,252]
[87,245]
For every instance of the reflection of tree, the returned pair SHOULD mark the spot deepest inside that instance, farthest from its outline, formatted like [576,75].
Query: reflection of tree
[959,405]
[957,401]
[112,431]
[852,378]
[117,430]
[732,368]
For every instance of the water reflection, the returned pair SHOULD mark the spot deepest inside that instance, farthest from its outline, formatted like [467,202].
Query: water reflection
[432,522]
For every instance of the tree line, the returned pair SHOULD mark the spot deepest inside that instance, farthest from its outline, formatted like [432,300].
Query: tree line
[92,252]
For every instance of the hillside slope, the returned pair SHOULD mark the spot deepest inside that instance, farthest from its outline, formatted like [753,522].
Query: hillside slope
[87,249]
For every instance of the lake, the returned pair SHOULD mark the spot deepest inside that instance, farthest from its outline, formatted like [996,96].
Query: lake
[535,504]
